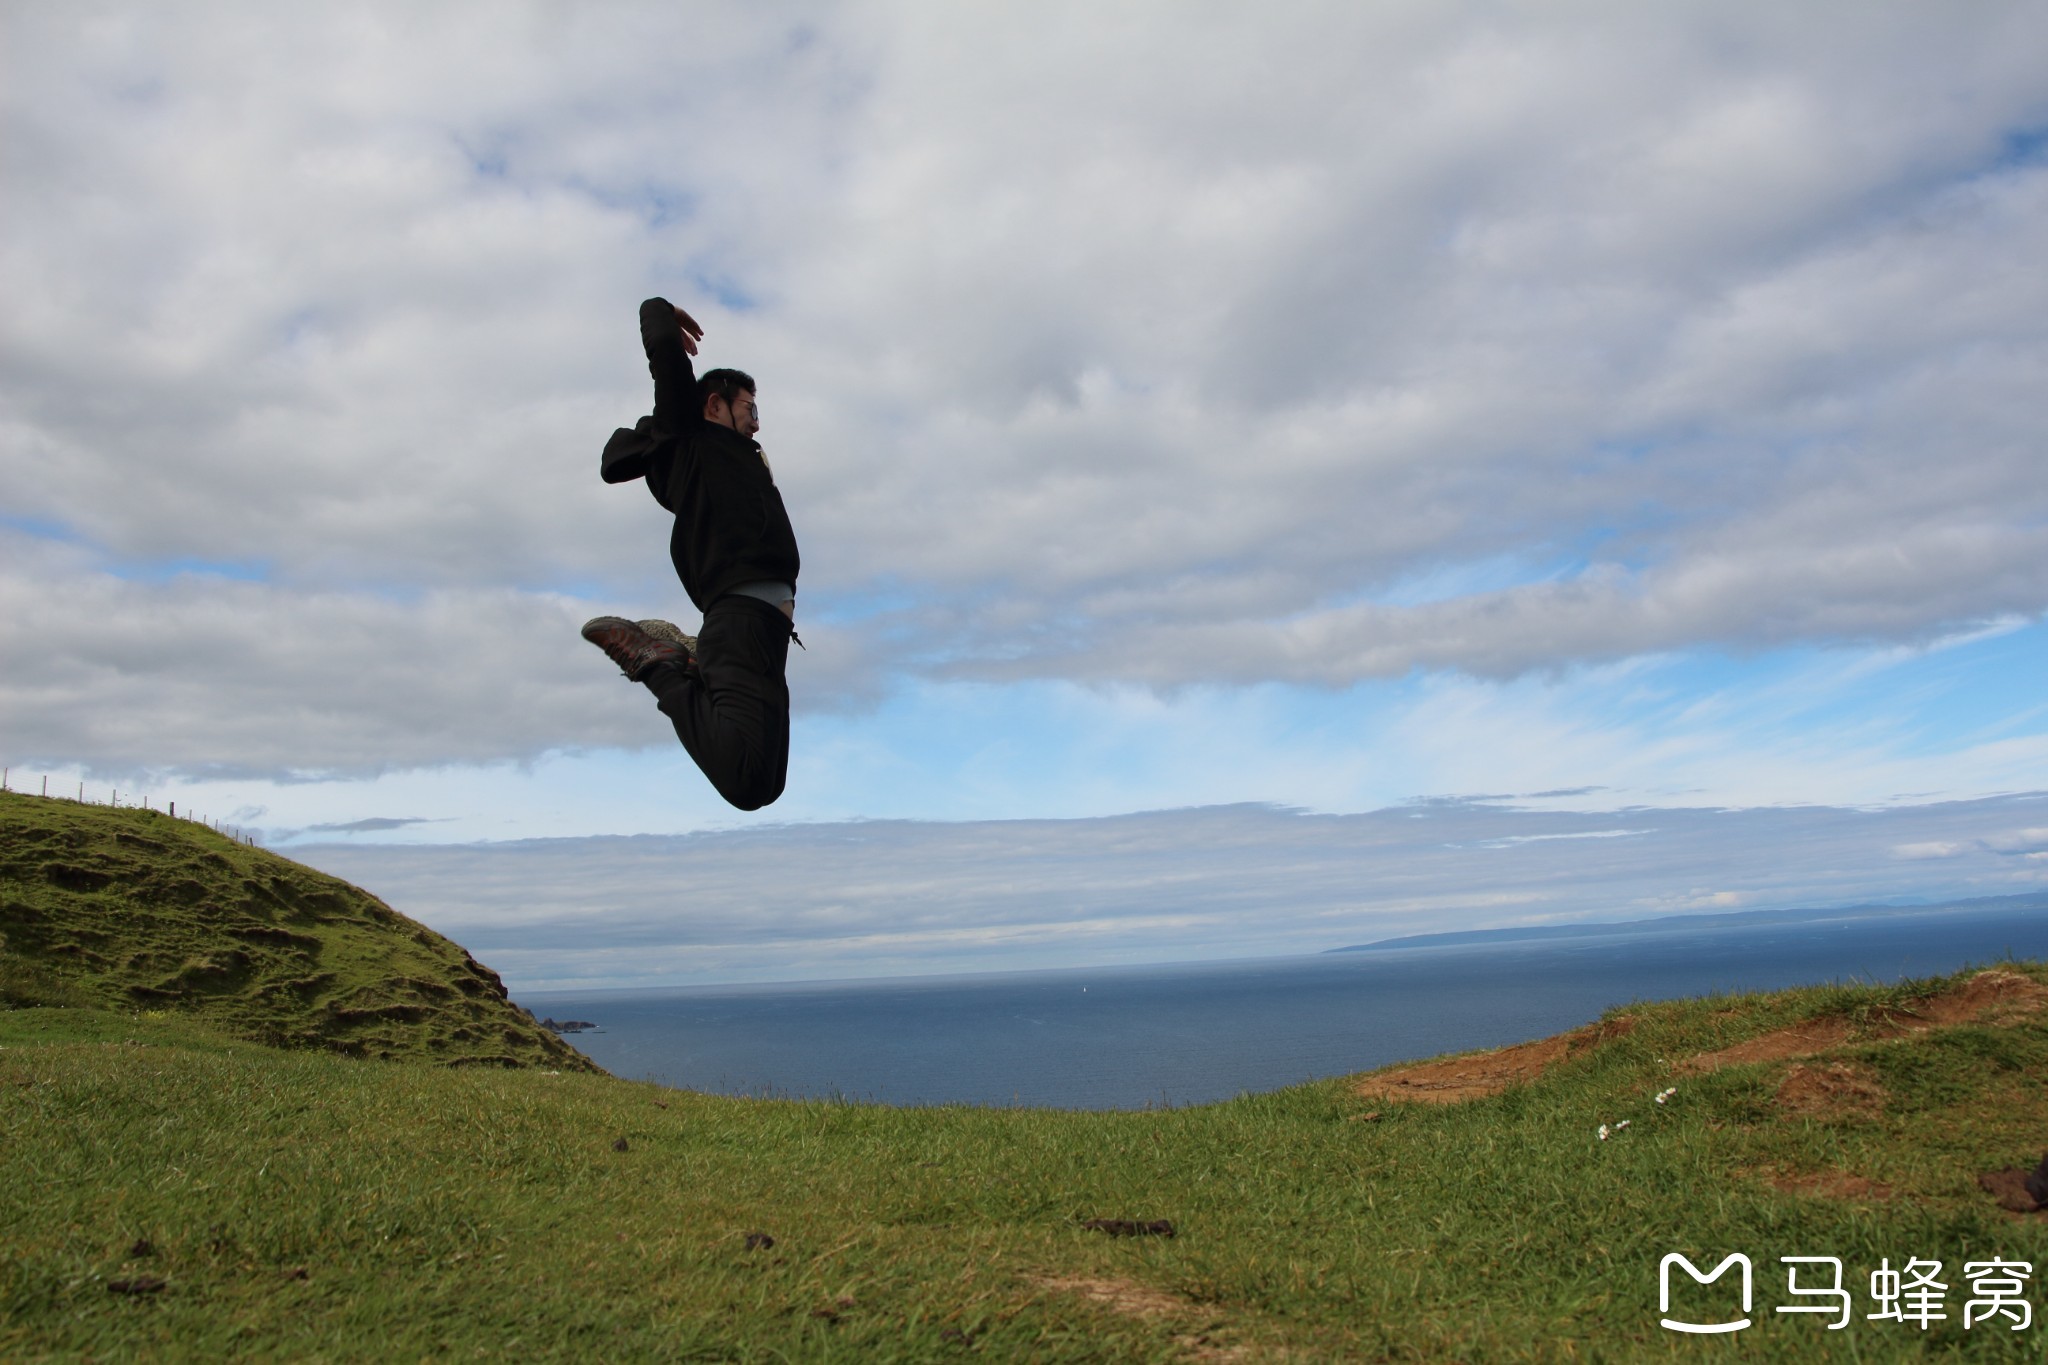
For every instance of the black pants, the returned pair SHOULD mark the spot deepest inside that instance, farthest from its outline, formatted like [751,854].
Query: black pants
[732,711]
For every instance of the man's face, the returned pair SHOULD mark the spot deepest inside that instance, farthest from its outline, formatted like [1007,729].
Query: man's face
[742,414]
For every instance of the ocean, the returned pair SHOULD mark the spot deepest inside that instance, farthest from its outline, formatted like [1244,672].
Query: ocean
[1192,1033]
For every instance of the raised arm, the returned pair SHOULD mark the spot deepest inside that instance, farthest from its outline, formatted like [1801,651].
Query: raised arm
[669,336]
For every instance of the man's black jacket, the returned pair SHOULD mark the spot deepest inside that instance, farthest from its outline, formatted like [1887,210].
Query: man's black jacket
[731,527]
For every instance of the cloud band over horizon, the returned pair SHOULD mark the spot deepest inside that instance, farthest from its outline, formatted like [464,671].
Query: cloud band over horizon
[886,898]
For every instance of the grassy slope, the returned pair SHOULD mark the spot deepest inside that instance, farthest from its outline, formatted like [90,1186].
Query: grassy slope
[438,1213]
[308,1206]
[133,909]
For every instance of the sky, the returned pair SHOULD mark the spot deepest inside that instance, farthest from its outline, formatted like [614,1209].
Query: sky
[1601,412]
[908,897]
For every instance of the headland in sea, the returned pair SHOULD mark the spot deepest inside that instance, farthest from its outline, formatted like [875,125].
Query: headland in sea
[1735,920]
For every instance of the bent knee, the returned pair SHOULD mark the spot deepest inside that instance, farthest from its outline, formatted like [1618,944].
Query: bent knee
[752,796]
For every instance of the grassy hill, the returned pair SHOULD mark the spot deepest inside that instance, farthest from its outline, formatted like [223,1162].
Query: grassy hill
[130,909]
[169,1192]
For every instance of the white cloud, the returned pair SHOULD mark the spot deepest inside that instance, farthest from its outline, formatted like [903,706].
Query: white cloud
[2027,843]
[207,676]
[1934,849]
[900,897]
[1164,348]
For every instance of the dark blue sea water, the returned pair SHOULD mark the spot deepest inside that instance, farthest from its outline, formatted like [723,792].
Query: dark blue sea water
[1129,1037]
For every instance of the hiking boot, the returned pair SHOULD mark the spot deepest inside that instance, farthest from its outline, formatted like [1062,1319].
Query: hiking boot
[631,648]
[669,631]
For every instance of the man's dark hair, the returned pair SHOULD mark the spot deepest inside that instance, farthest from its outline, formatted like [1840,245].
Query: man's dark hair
[727,384]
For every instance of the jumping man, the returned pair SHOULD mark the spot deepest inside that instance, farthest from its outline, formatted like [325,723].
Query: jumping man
[734,550]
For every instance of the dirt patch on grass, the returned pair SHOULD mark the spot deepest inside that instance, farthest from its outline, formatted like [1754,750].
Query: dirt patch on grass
[1488,1073]
[1834,1090]
[1798,1040]
[2010,1188]
[1134,1300]
[1993,996]
[1122,1296]
[1855,1189]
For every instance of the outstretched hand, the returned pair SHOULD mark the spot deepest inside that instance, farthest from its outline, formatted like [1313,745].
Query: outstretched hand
[692,333]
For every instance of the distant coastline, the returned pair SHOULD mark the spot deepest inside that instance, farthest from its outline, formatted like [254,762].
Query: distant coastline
[1741,919]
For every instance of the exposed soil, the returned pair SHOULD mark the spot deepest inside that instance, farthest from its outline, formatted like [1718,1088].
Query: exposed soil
[1146,1301]
[1488,1073]
[1124,1296]
[2009,1187]
[1992,996]
[1831,1090]
[1795,1040]
[1835,1185]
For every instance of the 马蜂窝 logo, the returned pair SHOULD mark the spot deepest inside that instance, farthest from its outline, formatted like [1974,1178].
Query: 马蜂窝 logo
[1664,1292]
[1912,1295]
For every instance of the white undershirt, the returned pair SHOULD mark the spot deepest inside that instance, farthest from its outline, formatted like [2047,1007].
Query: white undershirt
[769,590]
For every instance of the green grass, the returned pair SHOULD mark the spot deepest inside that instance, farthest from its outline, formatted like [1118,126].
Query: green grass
[473,1214]
[303,1205]
[127,908]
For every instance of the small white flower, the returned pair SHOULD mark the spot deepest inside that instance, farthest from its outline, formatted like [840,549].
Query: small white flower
[1603,1132]
[1623,1124]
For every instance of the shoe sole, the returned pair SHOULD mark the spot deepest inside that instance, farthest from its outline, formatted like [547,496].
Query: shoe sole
[598,626]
